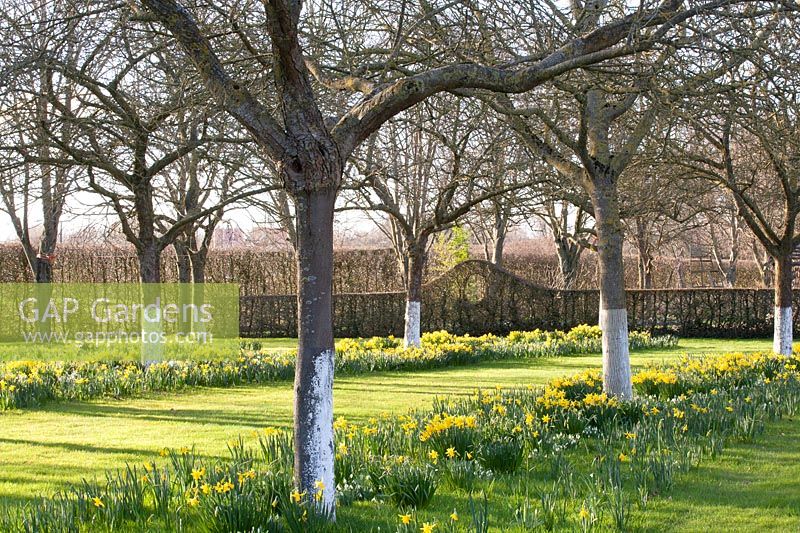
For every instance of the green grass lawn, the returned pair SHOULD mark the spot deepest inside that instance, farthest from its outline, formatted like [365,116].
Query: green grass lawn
[753,487]
[43,449]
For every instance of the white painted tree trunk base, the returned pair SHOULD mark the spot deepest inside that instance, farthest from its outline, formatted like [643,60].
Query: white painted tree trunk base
[616,358]
[783,336]
[319,440]
[412,335]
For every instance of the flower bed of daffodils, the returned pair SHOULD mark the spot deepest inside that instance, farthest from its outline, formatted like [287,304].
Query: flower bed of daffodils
[29,383]
[566,457]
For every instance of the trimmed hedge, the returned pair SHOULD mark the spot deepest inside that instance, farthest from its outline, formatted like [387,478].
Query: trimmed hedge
[477,297]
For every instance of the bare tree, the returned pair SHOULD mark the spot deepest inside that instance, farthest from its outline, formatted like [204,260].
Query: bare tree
[491,220]
[128,125]
[32,188]
[749,146]
[725,233]
[589,156]
[209,177]
[426,171]
[572,231]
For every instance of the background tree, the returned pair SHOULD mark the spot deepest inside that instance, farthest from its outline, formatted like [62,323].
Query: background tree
[208,180]
[33,187]
[127,116]
[748,143]
[491,220]
[425,171]
[572,232]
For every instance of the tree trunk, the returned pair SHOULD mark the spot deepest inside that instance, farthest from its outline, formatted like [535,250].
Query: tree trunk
[645,254]
[497,250]
[417,258]
[498,238]
[645,269]
[149,255]
[680,272]
[152,349]
[765,264]
[184,262]
[783,334]
[44,269]
[185,292]
[199,261]
[568,260]
[149,263]
[613,315]
[313,383]
[52,181]
[731,275]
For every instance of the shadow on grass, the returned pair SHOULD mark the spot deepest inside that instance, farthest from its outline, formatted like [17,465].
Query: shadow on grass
[204,416]
[71,446]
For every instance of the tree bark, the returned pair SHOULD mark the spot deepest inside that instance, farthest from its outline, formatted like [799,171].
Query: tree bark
[44,270]
[613,314]
[569,256]
[417,257]
[647,274]
[497,250]
[184,262]
[783,334]
[499,238]
[313,384]
[644,252]
[199,261]
[149,255]
[152,349]
[765,263]
[645,269]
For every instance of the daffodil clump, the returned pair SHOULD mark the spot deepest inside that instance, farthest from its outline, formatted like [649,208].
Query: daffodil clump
[29,383]
[695,374]
[566,456]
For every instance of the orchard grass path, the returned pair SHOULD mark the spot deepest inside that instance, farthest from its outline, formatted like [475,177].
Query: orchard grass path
[42,450]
